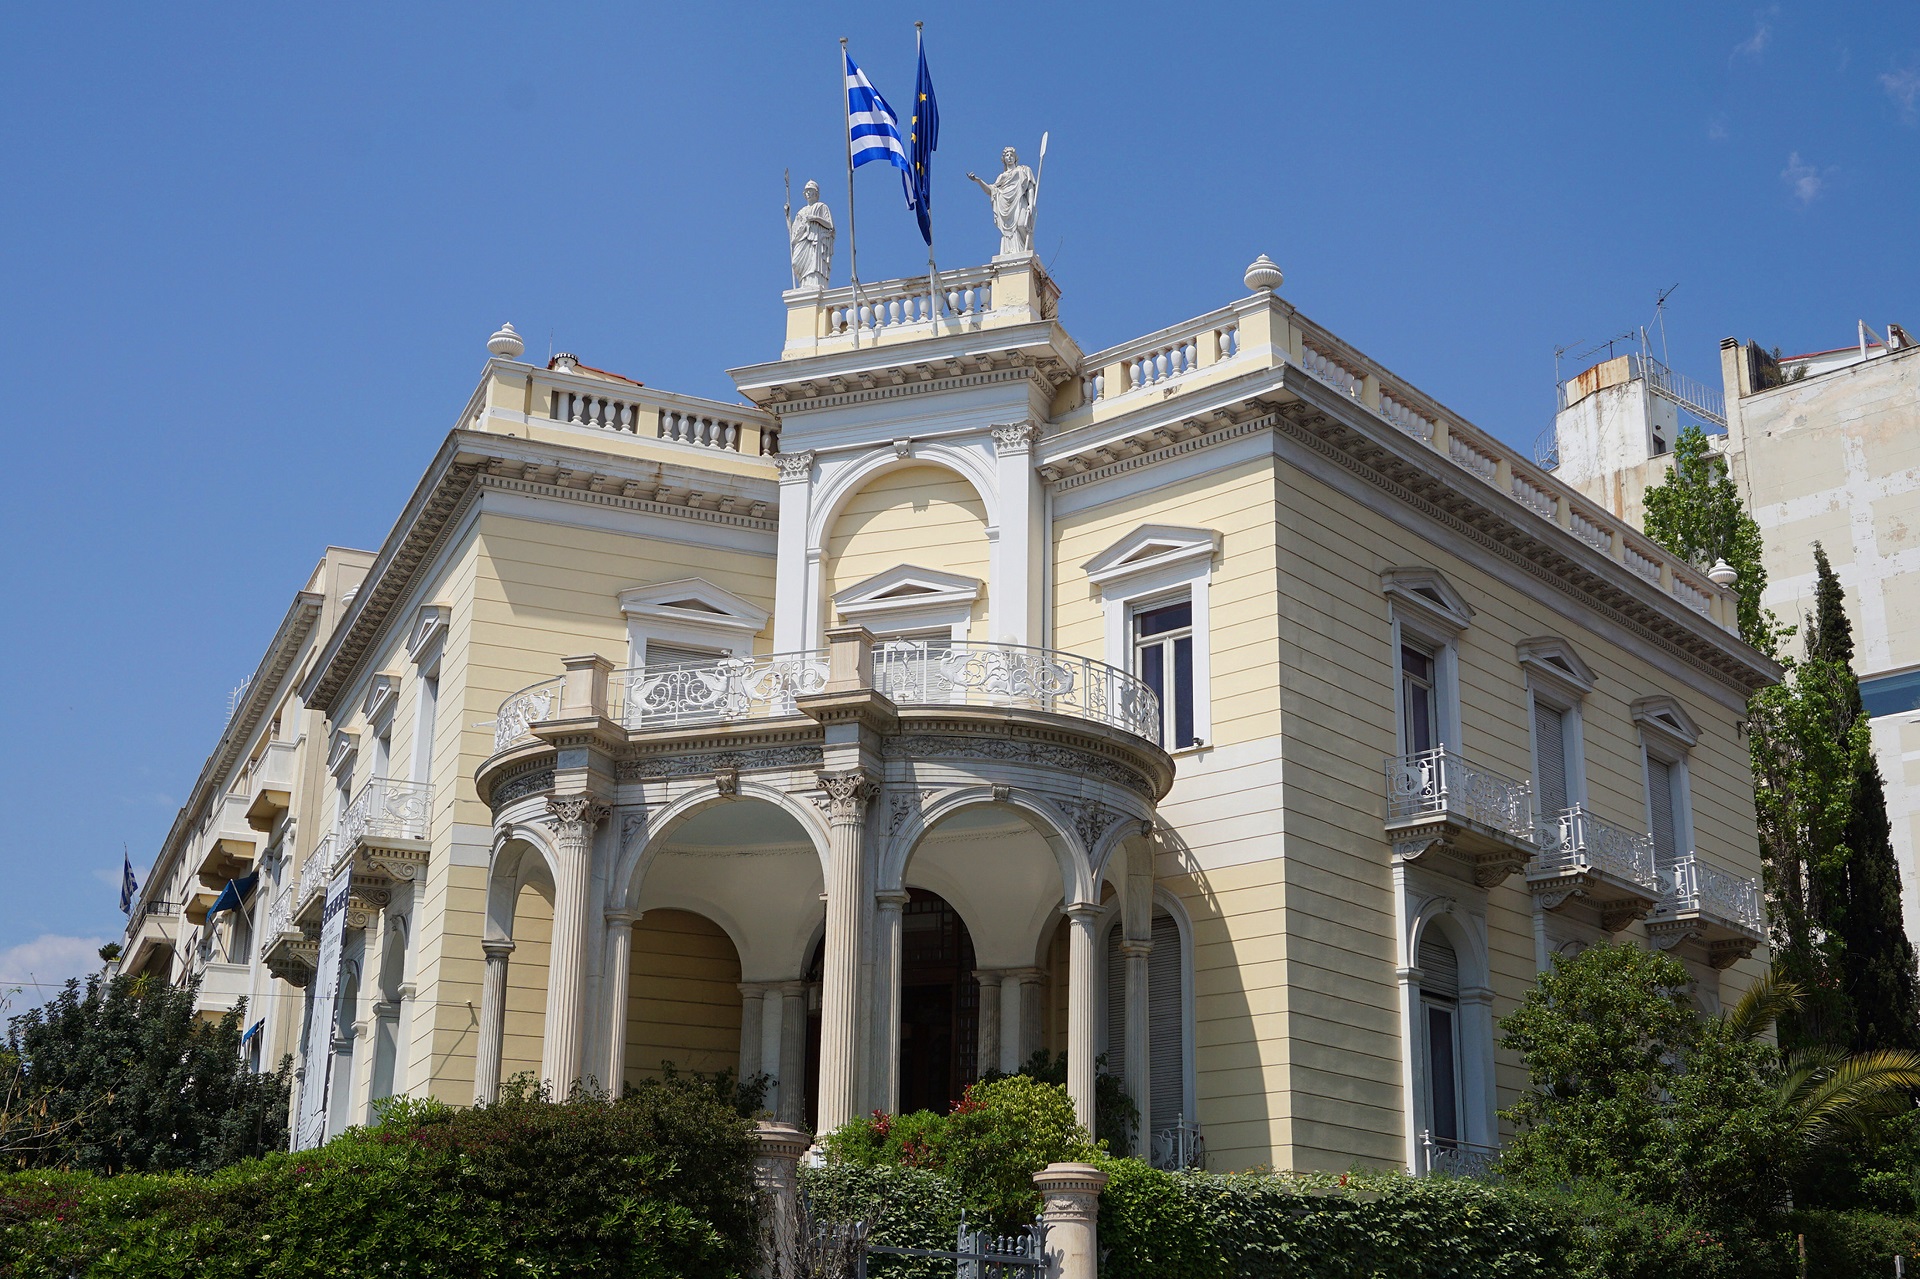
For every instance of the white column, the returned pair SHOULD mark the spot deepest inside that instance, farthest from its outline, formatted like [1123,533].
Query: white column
[572,820]
[987,1056]
[840,1003]
[793,1057]
[773,1018]
[885,1079]
[1407,977]
[1080,974]
[1136,1065]
[790,604]
[1542,952]
[1019,1016]
[1013,595]
[614,982]
[493,1019]
[753,996]
[1480,1123]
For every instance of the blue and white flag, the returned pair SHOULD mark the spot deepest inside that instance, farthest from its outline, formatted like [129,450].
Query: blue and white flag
[128,887]
[873,130]
[923,136]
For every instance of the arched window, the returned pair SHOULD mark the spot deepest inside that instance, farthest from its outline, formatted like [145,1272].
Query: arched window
[1167,1103]
[1440,1037]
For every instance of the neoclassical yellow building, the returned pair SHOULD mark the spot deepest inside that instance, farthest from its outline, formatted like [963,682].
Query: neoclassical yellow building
[1216,704]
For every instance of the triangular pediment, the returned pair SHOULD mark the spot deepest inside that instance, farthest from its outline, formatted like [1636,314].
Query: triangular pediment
[1430,596]
[906,586]
[693,601]
[1150,547]
[1667,717]
[1553,657]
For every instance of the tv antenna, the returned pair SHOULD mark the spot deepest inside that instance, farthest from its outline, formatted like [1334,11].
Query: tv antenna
[1660,318]
[1607,344]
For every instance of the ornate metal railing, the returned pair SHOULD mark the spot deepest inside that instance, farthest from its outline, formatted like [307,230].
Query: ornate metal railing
[843,1248]
[1451,1158]
[962,673]
[1440,783]
[315,873]
[1694,884]
[1179,1145]
[1577,840]
[387,808]
[719,692]
[280,915]
[519,713]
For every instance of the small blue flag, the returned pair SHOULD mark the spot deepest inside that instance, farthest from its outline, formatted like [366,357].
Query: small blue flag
[873,130]
[128,887]
[923,135]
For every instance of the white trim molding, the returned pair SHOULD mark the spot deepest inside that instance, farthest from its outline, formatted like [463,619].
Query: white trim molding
[383,694]
[1555,660]
[430,622]
[1428,599]
[1668,720]
[1149,548]
[1159,564]
[692,612]
[910,598]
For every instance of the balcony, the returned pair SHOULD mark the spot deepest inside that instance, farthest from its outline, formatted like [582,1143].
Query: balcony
[1446,1157]
[317,871]
[1610,868]
[221,987]
[269,786]
[388,815]
[1446,811]
[1723,910]
[231,843]
[737,690]
[285,948]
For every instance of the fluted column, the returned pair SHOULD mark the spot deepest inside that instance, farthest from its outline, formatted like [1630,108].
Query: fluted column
[753,997]
[987,1056]
[1080,971]
[1137,1052]
[793,1055]
[493,1020]
[572,819]
[886,1000]
[1019,1016]
[614,987]
[847,795]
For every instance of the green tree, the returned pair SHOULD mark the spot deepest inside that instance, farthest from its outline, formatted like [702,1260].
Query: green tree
[127,1077]
[1697,513]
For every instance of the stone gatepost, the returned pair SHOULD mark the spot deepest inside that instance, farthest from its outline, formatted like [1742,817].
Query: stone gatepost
[1072,1214]
[776,1175]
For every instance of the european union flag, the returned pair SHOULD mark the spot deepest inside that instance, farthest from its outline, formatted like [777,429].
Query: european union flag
[923,135]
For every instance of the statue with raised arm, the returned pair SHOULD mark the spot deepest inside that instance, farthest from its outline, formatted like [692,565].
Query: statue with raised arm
[1012,194]
[810,240]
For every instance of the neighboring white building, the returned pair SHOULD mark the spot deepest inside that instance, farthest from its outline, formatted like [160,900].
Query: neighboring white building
[1826,447]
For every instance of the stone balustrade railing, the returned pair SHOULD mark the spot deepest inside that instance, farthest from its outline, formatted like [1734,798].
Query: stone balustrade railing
[1443,783]
[1693,883]
[1158,358]
[1576,840]
[963,673]
[962,296]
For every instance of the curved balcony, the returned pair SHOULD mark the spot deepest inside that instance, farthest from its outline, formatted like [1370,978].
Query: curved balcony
[1611,868]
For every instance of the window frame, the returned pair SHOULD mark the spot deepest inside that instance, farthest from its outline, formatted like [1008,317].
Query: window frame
[1153,566]
[725,624]
[1424,611]
[1169,678]
[1558,679]
[1668,735]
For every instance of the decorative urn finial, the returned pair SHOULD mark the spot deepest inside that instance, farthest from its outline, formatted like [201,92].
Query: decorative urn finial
[506,343]
[1263,276]
[1723,573]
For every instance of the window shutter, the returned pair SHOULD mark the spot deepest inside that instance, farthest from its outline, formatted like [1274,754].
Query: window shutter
[1439,967]
[1550,748]
[660,653]
[1116,1048]
[1165,1026]
[1660,799]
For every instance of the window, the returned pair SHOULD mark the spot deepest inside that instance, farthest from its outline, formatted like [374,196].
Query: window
[1163,659]
[1440,1017]
[1166,1102]
[1419,700]
[424,719]
[1550,758]
[1891,694]
[661,653]
[687,620]
[1666,736]
[1660,798]
[1557,684]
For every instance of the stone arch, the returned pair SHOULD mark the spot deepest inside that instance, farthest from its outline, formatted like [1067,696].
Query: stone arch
[1469,947]
[1077,878]
[836,490]
[630,869]
[683,1001]
[522,854]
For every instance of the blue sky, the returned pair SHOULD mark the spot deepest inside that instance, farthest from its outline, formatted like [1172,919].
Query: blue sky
[250,255]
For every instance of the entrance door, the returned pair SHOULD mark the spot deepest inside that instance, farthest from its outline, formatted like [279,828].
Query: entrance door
[939,1004]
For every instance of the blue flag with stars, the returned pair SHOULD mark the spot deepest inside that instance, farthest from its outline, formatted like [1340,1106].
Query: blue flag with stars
[923,135]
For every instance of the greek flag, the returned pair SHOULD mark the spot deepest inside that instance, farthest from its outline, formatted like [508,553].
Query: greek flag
[873,130]
[128,886]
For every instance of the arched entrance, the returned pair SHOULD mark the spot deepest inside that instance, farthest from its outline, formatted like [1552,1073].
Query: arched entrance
[939,1004]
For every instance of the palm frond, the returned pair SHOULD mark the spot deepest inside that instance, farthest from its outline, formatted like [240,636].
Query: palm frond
[1826,1091]
[1764,1004]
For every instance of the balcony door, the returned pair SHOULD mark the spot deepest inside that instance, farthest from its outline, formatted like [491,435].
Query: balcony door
[1440,1028]
[1419,699]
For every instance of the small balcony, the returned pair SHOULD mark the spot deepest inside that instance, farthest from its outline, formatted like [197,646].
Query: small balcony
[221,987]
[1443,809]
[269,786]
[1698,899]
[285,948]
[231,844]
[316,872]
[1447,1157]
[388,815]
[1608,867]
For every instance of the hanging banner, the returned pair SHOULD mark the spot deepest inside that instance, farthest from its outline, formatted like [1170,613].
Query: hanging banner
[316,1086]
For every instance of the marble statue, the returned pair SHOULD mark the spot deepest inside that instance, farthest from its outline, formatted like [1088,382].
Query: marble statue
[1013,195]
[810,239]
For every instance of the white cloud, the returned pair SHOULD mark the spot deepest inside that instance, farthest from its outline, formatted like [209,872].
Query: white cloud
[1803,179]
[1903,86]
[43,964]
[1717,128]
[1756,44]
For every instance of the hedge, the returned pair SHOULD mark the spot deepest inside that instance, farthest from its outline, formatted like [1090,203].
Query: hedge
[656,1185]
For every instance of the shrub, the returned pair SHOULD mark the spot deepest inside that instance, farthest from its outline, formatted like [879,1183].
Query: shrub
[1857,1243]
[905,1207]
[1114,1115]
[1151,1228]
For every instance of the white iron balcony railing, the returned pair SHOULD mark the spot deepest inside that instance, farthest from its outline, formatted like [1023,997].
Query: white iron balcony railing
[1694,884]
[1453,1158]
[387,808]
[524,709]
[314,874]
[280,915]
[1179,1146]
[961,673]
[719,692]
[1576,840]
[1441,784]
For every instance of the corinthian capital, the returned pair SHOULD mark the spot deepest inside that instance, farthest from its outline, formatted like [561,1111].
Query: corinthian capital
[848,792]
[795,467]
[1015,437]
[572,810]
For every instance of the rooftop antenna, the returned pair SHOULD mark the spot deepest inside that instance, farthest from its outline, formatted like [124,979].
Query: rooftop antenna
[1559,351]
[1660,318]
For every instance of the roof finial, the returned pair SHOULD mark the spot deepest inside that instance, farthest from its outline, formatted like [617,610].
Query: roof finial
[506,343]
[1263,276]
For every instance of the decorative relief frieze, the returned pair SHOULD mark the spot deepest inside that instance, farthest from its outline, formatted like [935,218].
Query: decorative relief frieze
[518,788]
[655,767]
[928,745]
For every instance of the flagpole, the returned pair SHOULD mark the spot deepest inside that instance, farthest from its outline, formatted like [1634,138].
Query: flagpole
[853,240]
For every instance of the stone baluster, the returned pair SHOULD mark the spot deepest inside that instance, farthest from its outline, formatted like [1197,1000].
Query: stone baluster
[572,819]
[493,1016]
[1072,1214]
[848,794]
[1080,975]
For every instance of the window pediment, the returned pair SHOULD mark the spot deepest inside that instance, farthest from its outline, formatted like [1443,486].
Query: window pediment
[904,587]
[1666,717]
[1149,548]
[341,751]
[429,623]
[694,602]
[1554,658]
[382,692]
[1428,594]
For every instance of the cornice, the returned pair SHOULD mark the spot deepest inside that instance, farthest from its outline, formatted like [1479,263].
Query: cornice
[876,386]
